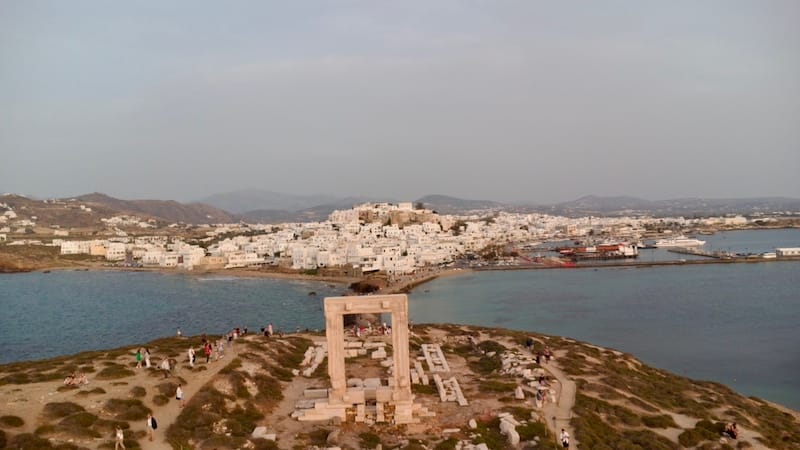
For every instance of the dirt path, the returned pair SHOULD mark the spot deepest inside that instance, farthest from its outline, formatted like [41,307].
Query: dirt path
[559,414]
[166,414]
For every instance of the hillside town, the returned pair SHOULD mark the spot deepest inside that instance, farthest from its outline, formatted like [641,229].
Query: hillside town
[394,239]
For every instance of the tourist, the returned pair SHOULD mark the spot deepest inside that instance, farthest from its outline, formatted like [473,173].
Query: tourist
[547,354]
[179,395]
[564,438]
[120,439]
[178,333]
[269,330]
[207,351]
[138,358]
[82,378]
[191,356]
[165,367]
[529,343]
[69,380]
[150,424]
[147,357]
[220,348]
[732,430]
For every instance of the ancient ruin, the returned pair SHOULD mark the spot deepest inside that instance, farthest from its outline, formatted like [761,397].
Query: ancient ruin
[369,399]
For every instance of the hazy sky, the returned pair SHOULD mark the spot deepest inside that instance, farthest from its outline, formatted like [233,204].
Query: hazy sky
[500,100]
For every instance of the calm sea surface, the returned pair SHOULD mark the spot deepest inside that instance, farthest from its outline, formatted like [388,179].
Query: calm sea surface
[732,323]
[64,312]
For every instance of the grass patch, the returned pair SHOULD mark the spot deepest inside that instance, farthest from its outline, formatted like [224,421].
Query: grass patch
[231,367]
[489,433]
[160,400]
[369,440]
[529,431]
[138,392]
[520,413]
[97,390]
[447,444]
[11,421]
[127,409]
[659,421]
[268,388]
[420,388]
[497,386]
[114,372]
[58,410]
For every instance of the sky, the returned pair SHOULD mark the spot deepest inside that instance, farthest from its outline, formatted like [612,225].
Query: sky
[498,100]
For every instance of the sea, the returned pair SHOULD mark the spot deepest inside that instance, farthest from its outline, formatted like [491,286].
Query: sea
[731,323]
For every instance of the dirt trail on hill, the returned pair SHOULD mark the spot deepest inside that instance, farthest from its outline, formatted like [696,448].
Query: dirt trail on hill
[165,415]
[559,414]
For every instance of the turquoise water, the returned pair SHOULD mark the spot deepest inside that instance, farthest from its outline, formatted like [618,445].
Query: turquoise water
[52,314]
[732,323]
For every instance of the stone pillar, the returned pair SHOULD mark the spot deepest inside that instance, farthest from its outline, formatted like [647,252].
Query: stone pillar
[334,331]
[400,357]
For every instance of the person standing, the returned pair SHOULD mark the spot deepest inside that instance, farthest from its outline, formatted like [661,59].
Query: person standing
[207,351]
[147,357]
[165,367]
[178,333]
[120,439]
[191,356]
[138,358]
[564,438]
[220,348]
[269,330]
[179,395]
[150,426]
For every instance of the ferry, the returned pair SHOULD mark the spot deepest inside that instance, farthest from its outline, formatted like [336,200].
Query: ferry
[679,241]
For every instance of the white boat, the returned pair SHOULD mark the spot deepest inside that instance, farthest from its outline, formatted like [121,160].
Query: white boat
[679,241]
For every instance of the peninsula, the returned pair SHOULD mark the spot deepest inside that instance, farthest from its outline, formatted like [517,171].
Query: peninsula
[245,399]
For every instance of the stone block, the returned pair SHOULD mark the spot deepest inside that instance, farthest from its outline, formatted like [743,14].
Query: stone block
[315,393]
[354,395]
[355,382]
[518,394]
[383,394]
[372,382]
[378,354]
[259,433]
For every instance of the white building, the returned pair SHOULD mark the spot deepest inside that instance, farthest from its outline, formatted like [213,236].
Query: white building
[115,251]
[75,247]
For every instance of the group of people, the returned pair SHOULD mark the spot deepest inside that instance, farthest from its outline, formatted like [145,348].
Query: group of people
[544,354]
[76,379]
[360,330]
[142,354]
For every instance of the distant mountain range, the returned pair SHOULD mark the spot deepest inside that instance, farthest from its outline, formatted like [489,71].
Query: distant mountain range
[168,210]
[687,207]
[257,206]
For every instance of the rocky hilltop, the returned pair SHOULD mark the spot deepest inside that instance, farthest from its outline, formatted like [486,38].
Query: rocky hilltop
[246,399]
